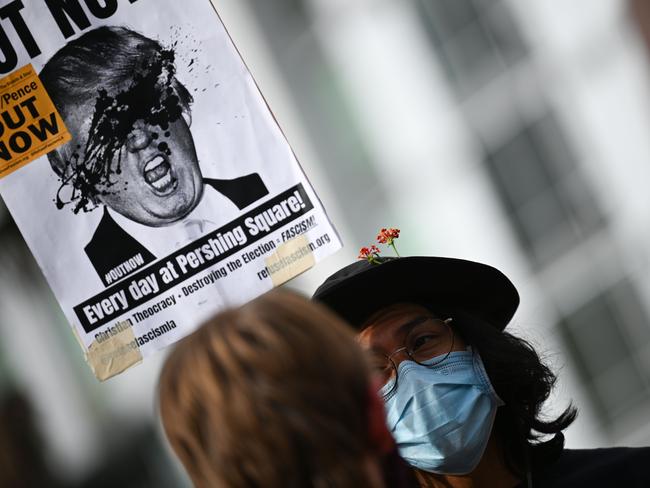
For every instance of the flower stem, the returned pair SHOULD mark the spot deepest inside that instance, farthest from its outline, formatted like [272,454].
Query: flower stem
[392,244]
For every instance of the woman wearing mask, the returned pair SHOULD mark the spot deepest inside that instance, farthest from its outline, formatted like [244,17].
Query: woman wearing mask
[463,397]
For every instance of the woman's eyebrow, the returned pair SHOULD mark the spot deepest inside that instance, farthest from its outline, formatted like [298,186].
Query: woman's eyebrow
[405,328]
[401,332]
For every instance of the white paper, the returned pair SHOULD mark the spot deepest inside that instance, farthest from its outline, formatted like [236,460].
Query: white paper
[204,212]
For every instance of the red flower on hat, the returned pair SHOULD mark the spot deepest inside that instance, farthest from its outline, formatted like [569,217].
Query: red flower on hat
[388,236]
[370,253]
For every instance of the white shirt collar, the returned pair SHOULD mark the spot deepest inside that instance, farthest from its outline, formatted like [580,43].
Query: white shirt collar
[213,211]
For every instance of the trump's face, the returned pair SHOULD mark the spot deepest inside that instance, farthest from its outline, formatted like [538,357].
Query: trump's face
[155,177]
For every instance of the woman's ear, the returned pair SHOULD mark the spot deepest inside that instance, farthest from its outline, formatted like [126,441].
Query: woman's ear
[380,438]
[187,115]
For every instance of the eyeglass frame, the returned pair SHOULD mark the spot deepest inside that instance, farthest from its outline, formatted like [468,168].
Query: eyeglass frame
[389,357]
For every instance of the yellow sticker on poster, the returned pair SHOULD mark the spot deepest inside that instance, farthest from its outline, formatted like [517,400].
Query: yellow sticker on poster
[30,125]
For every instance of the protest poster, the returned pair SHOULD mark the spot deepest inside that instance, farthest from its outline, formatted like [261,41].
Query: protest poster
[145,170]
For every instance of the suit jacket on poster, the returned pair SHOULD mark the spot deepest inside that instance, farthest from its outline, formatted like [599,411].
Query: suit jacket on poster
[111,246]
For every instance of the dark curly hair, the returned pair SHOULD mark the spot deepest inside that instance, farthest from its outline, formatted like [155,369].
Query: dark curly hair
[524,383]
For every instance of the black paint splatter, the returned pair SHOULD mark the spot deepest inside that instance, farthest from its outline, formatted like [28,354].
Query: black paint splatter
[164,147]
[151,98]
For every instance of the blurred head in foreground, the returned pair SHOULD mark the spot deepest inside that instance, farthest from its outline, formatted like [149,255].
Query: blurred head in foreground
[275,394]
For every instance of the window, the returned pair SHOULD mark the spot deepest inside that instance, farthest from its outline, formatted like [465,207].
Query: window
[475,39]
[607,337]
[549,204]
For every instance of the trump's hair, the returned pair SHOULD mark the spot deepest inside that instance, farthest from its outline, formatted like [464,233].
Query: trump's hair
[105,58]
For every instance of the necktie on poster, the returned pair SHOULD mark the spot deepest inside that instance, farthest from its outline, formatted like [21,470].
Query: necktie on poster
[145,170]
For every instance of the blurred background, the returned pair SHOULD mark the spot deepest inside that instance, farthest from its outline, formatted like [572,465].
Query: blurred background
[512,133]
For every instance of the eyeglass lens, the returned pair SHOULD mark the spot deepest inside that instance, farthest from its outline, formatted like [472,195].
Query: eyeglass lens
[429,338]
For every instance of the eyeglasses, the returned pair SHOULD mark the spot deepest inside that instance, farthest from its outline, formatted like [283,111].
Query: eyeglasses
[427,338]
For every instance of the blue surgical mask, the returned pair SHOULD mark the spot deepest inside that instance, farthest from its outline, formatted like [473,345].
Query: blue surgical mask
[442,415]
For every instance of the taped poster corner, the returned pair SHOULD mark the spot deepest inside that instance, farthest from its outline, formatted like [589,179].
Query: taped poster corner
[115,354]
[289,260]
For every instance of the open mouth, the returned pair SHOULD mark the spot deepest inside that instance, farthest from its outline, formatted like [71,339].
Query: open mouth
[158,175]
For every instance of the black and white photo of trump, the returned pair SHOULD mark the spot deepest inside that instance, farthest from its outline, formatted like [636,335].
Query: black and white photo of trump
[132,157]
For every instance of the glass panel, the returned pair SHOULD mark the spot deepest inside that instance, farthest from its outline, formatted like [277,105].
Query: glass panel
[543,190]
[446,17]
[620,387]
[482,4]
[577,196]
[542,216]
[471,57]
[547,226]
[519,170]
[507,40]
[597,335]
[606,354]
[551,143]
[476,40]
[633,315]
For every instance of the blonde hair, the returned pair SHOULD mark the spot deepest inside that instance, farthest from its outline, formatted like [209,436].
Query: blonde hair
[272,394]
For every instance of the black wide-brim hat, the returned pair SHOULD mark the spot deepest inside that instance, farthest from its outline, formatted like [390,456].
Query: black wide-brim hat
[360,289]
